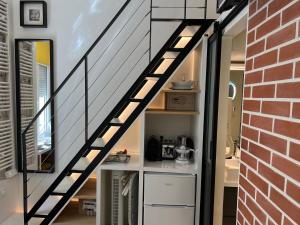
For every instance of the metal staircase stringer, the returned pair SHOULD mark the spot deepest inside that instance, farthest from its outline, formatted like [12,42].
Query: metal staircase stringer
[124,127]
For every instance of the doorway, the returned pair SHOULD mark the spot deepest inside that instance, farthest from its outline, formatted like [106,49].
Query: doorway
[223,107]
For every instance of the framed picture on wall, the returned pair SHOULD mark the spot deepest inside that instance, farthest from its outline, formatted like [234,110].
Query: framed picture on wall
[33,14]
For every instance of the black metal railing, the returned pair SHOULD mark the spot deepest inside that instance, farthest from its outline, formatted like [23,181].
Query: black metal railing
[125,100]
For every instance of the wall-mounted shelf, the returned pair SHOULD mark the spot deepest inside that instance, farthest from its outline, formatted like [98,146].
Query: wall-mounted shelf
[170,112]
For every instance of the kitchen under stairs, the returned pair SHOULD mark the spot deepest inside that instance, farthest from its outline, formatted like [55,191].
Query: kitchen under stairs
[98,145]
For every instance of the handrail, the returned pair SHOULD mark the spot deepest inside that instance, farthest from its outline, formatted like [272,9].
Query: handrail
[54,94]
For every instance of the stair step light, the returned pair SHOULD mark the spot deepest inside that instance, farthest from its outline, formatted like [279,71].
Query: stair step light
[185,37]
[84,162]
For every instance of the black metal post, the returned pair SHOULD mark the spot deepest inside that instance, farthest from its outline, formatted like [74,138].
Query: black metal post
[86,91]
[24,161]
[150,33]
[184,9]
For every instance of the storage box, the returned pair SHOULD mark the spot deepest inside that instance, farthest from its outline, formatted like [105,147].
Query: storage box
[180,101]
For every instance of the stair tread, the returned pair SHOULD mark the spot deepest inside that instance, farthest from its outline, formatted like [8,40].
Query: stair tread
[48,205]
[64,185]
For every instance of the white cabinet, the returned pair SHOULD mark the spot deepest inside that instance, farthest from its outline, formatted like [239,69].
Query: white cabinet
[168,215]
[169,189]
[169,199]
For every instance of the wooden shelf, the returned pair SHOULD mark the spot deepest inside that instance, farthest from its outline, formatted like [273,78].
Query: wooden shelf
[170,112]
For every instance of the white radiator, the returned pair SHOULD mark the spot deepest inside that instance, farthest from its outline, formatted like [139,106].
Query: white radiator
[117,201]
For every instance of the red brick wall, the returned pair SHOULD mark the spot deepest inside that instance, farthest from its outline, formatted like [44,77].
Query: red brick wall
[269,190]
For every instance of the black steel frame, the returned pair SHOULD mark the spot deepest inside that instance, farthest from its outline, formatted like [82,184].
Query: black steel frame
[123,128]
[18,104]
[218,33]
[216,36]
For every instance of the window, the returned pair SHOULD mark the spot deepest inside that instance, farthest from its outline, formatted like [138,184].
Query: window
[44,121]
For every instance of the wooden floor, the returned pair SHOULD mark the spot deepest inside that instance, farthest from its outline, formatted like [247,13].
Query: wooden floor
[70,216]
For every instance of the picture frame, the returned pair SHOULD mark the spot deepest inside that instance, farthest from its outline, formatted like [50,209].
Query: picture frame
[33,14]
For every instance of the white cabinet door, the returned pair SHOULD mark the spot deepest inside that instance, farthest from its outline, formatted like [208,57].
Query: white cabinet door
[169,189]
[168,215]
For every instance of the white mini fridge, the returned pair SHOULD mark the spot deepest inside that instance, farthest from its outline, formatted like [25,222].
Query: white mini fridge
[169,199]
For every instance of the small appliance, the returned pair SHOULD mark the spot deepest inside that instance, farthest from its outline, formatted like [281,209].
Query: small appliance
[183,152]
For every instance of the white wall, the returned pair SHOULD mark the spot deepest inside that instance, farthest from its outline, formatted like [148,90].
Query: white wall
[73,25]
[10,188]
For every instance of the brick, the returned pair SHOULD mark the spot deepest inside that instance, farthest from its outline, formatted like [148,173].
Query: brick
[244,144]
[249,65]
[271,176]
[268,26]
[275,143]
[250,133]
[240,218]
[242,195]
[295,151]
[288,90]
[255,77]
[276,5]
[261,3]
[276,108]
[286,166]
[285,205]
[249,160]
[293,190]
[264,91]
[269,208]
[243,170]
[279,73]
[259,214]
[251,105]
[287,128]
[296,110]
[257,19]
[255,48]
[246,118]
[270,222]
[258,182]
[286,221]
[261,122]
[251,37]
[247,92]
[245,211]
[291,13]
[252,8]
[249,188]
[265,59]
[282,36]
[297,70]
[291,51]
[260,152]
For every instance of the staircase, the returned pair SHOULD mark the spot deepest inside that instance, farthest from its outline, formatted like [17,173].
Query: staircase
[100,142]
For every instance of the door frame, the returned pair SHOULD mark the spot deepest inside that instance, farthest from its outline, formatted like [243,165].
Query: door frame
[217,34]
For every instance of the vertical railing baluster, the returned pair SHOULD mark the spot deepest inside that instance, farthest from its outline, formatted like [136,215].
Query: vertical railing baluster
[86,98]
[24,161]
[184,9]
